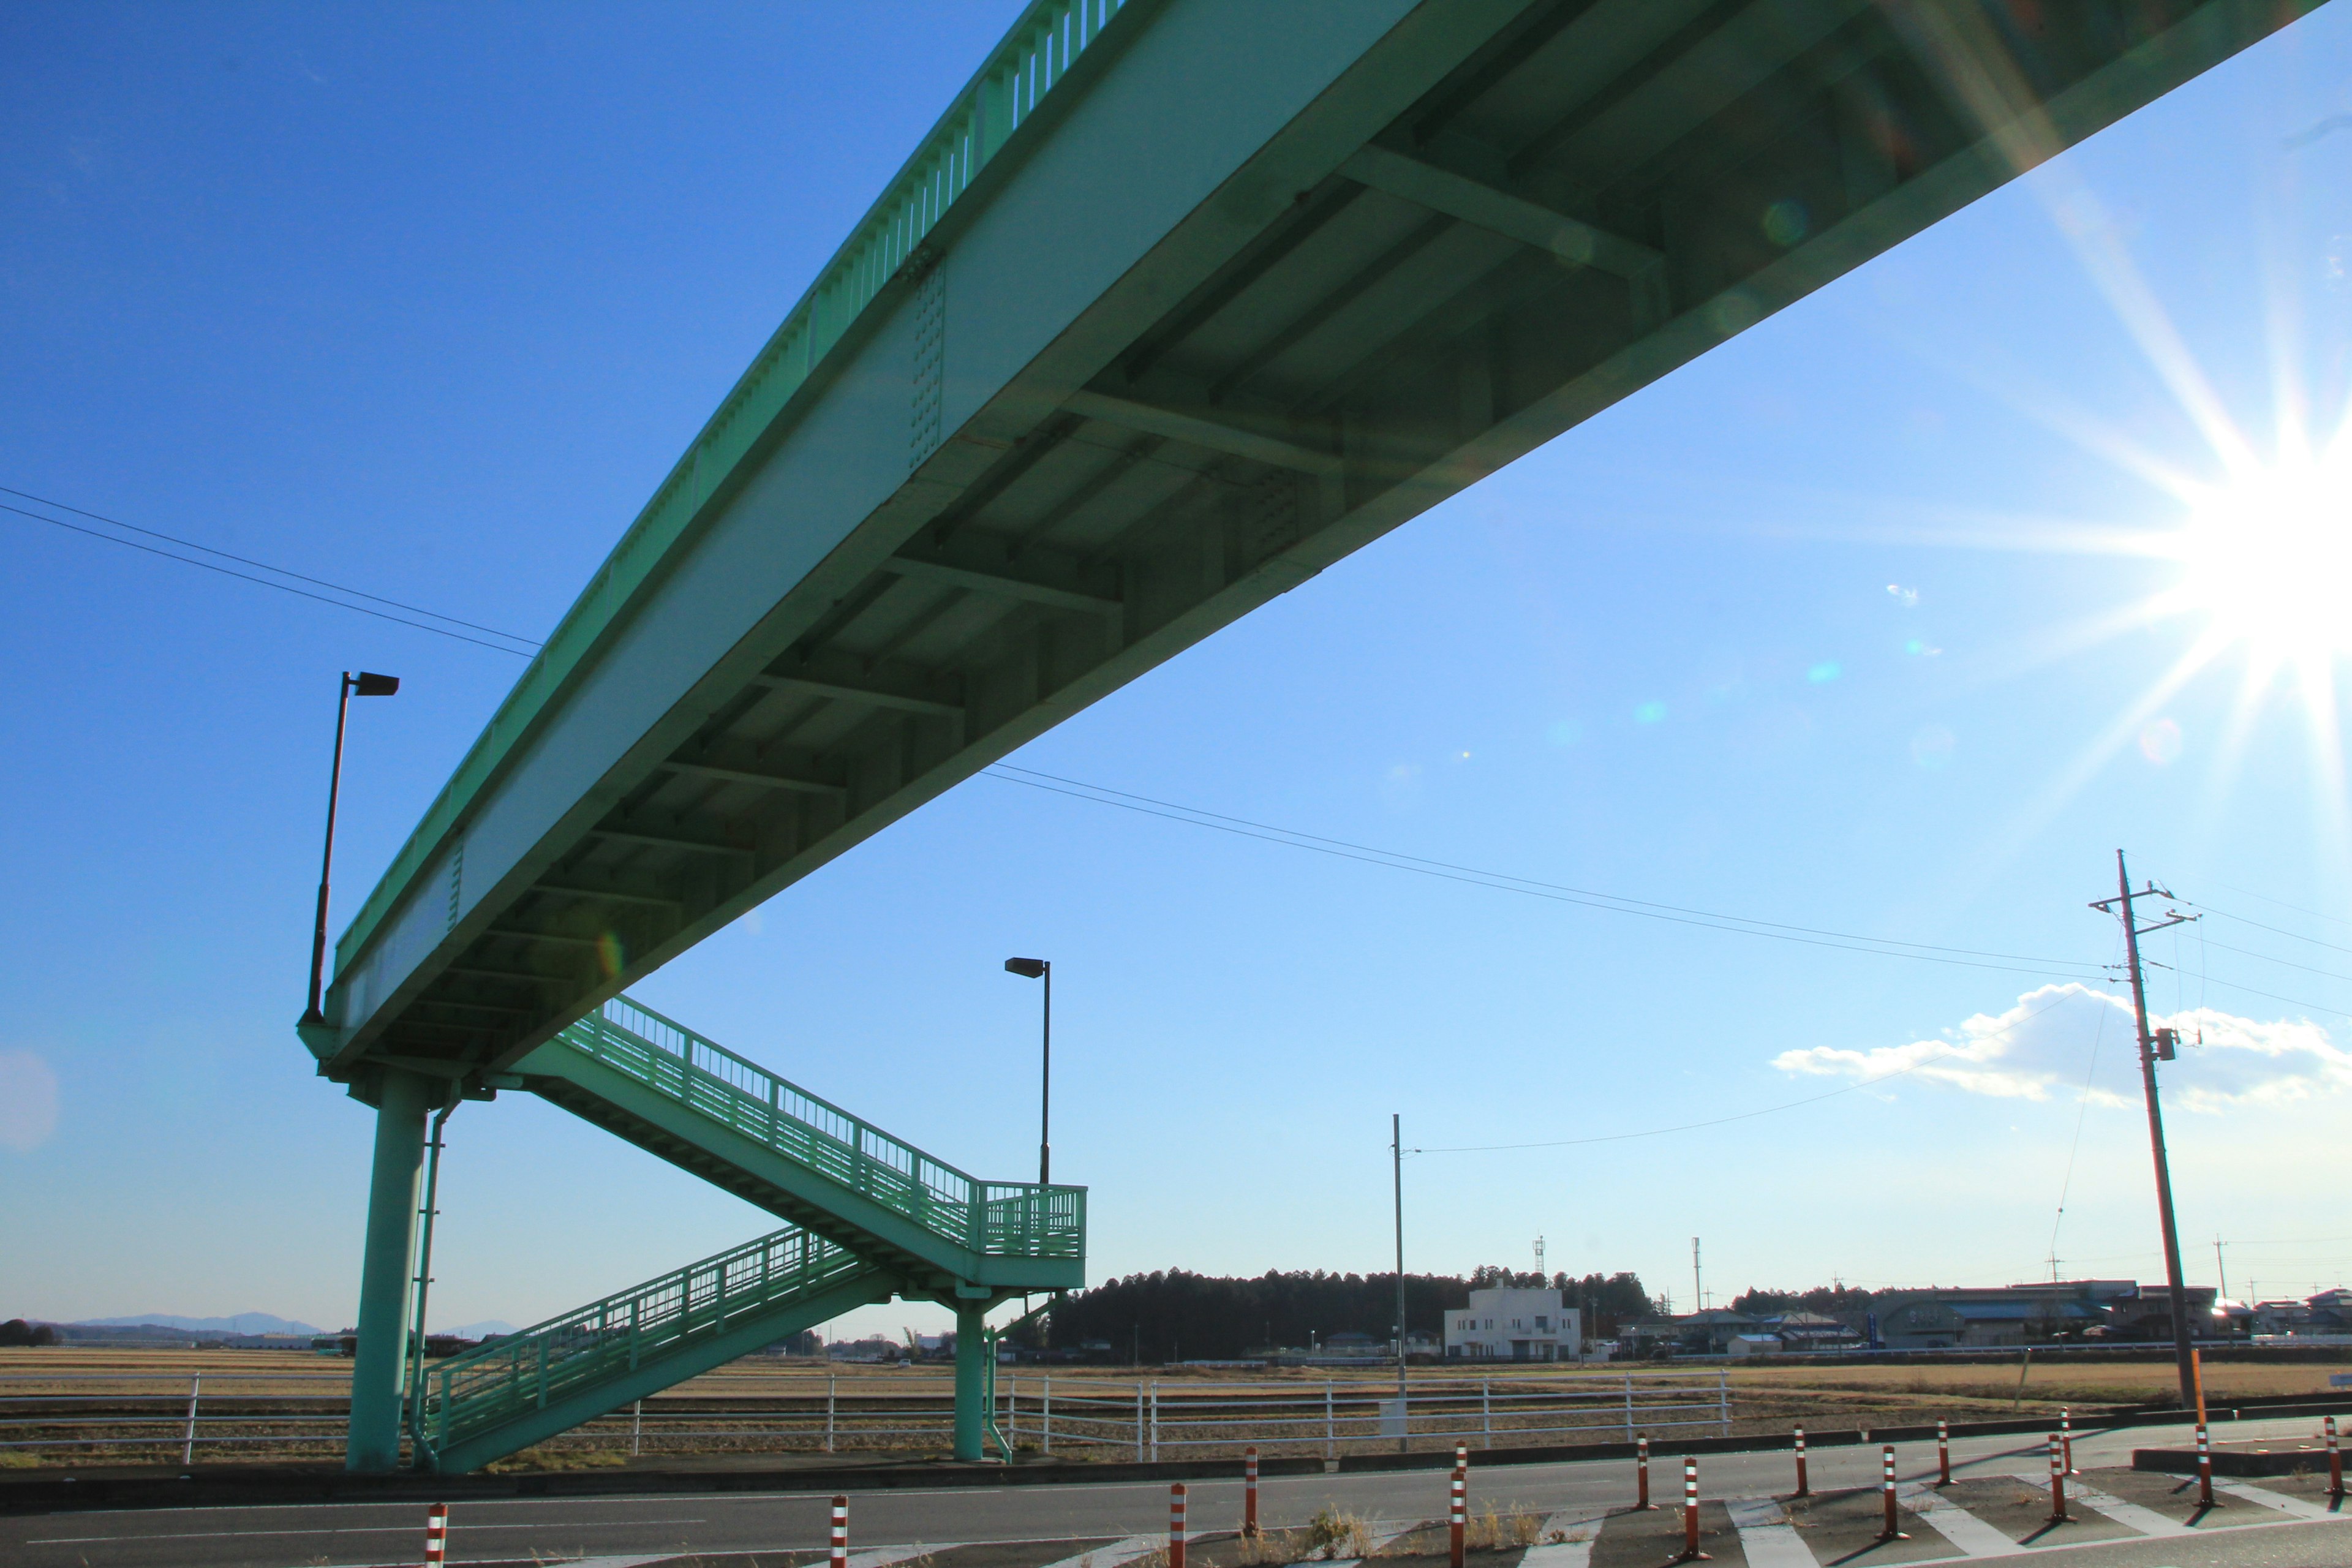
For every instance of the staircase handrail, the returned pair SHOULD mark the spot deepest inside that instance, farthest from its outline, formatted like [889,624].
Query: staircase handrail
[468,1391]
[997,1218]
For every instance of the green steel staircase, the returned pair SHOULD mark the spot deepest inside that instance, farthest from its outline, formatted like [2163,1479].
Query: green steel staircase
[527,1387]
[871,1216]
[669,1091]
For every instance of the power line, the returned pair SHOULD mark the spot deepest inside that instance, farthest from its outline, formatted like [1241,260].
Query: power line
[1943,1055]
[2298,909]
[261,565]
[1504,882]
[2277,930]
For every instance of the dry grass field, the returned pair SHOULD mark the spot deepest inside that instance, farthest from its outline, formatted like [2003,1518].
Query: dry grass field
[260,1405]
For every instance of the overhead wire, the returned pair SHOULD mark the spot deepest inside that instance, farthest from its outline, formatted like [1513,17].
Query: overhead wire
[1504,882]
[1944,1055]
[530,643]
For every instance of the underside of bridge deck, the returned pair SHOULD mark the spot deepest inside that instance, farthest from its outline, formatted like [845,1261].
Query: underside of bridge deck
[1495,221]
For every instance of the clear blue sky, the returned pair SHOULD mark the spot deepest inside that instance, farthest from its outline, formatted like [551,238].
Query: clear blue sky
[1859,623]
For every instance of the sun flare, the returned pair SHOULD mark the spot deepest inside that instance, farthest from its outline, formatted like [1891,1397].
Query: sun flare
[2267,562]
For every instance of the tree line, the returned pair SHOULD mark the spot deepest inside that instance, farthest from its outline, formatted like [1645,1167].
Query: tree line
[1176,1315]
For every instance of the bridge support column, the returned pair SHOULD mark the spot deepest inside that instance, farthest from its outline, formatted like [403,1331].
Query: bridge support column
[971,1379]
[373,1444]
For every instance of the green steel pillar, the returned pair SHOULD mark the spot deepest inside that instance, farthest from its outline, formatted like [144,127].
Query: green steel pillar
[972,1379]
[374,1440]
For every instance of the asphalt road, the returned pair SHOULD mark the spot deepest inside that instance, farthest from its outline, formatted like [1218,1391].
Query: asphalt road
[1053,1523]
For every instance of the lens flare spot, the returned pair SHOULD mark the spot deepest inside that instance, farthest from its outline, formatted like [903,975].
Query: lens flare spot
[1566,732]
[1907,597]
[1822,674]
[1931,747]
[610,956]
[1786,222]
[1650,714]
[2161,742]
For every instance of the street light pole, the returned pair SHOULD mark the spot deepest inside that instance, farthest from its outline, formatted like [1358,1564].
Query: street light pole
[363,684]
[1039,969]
[1396,1171]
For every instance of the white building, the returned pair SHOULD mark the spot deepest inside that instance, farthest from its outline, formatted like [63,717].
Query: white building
[1513,1325]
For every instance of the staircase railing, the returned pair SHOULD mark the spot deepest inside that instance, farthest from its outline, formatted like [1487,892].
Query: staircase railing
[1021,1219]
[484,1387]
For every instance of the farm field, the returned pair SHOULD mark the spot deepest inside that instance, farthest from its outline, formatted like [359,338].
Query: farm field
[69,1405]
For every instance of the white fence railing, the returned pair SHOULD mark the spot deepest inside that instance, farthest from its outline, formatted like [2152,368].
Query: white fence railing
[1511,1411]
[1145,1418]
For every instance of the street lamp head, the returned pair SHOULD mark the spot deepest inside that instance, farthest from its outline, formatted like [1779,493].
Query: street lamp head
[1034,968]
[368,684]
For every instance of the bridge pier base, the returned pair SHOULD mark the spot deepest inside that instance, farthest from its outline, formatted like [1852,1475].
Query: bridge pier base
[373,1445]
[971,1379]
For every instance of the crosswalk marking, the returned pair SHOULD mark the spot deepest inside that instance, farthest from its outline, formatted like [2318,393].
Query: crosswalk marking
[1580,1529]
[2130,1515]
[2301,1508]
[1765,1536]
[1114,1553]
[1953,1523]
[884,1556]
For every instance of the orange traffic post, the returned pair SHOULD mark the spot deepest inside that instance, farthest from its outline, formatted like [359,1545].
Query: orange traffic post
[1691,1553]
[838,1547]
[1892,1528]
[1457,1518]
[1642,1503]
[1249,1490]
[2066,1437]
[2335,1462]
[436,1533]
[1943,1454]
[1176,1526]
[1803,1490]
[2057,1483]
[1462,1456]
[2204,1468]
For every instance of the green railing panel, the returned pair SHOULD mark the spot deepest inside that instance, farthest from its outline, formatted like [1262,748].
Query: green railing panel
[1007,1219]
[485,1388]
[1044,43]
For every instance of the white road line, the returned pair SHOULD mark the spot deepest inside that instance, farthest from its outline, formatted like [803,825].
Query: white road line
[1953,1523]
[1766,1536]
[1113,1554]
[417,1529]
[2130,1515]
[2300,1508]
[1580,1529]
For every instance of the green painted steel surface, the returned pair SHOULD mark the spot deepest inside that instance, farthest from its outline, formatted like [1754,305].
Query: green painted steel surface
[373,1441]
[663,1085]
[524,1388]
[1041,48]
[1245,287]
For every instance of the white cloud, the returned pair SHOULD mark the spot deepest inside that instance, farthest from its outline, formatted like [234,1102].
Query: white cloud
[2076,1040]
[28,1100]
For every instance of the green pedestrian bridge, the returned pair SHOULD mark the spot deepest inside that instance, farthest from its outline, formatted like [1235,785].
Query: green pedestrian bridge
[1179,302]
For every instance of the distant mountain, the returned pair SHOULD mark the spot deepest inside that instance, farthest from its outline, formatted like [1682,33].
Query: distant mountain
[482,1330]
[243,1324]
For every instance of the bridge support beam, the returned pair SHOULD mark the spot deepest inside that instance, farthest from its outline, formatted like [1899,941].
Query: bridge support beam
[373,1445]
[971,1379]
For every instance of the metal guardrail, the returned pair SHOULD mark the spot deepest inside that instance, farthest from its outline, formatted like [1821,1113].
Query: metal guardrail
[1518,1409]
[484,1388]
[1020,1219]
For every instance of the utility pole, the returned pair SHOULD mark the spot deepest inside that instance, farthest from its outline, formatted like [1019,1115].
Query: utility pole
[1396,1171]
[2221,1264]
[1698,1297]
[2152,1045]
